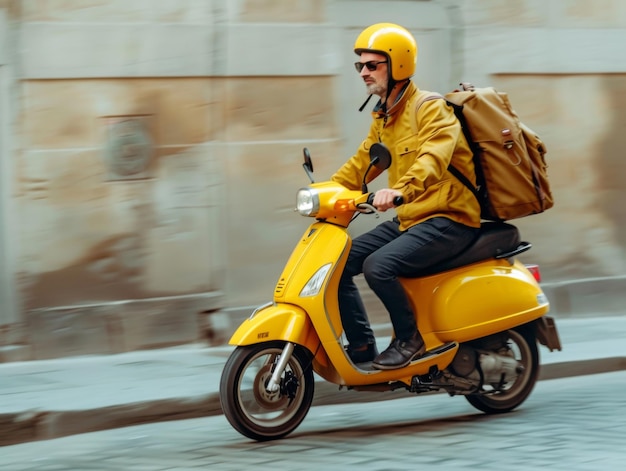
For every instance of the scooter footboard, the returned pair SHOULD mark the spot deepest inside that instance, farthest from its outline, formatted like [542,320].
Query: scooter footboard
[284,322]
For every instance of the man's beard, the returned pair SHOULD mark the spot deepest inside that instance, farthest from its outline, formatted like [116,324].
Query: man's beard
[376,89]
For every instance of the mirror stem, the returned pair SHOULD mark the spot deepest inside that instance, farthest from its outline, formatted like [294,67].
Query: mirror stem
[364,185]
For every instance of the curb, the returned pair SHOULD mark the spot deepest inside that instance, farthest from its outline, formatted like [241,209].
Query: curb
[577,298]
[44,425]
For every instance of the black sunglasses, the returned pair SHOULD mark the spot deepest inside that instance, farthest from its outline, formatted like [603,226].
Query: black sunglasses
[371,65]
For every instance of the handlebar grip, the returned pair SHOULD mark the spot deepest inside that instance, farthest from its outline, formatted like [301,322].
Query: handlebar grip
[397,200]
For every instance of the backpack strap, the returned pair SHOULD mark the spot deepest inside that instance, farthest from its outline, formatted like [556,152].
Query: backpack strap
[427,96]
[474,148]
[451,168]
[457,173]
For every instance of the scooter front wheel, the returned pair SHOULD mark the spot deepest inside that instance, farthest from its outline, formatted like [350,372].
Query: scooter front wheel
[251,408]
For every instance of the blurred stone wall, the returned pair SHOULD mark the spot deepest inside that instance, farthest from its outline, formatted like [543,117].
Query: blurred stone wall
[564,68]
[151,149]
[151,140]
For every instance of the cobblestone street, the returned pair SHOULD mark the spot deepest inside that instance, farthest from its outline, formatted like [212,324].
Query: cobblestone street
[571,424]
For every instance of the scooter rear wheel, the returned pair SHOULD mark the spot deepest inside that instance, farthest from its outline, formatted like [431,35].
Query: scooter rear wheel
[522,344]
[250,408]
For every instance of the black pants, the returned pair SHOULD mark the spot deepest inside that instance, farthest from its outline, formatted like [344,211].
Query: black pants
[385,253]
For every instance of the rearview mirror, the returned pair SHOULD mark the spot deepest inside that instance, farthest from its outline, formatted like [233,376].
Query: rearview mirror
[308,164]
[380,157]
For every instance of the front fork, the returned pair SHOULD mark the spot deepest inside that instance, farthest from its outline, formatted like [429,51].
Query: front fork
[273,384]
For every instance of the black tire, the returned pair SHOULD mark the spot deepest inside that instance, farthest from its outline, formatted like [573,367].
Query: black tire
[522,344]
[249,407]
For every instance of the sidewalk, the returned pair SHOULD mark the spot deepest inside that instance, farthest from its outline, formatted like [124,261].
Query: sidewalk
[54,398]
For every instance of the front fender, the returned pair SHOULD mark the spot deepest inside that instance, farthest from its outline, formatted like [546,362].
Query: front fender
[284,322]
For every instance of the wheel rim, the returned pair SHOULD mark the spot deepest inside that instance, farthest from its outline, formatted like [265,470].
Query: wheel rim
[517,348]
[266,408]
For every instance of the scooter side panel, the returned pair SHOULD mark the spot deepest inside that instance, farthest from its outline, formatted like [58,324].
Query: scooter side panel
[478,300]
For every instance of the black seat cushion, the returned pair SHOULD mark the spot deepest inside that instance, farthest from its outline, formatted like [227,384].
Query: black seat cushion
[494,239]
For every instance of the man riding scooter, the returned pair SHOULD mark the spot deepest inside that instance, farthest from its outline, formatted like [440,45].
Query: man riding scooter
[439,217]
[481,311]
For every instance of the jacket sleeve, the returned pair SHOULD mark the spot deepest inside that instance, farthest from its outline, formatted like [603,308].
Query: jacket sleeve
[351,173]
[437,138]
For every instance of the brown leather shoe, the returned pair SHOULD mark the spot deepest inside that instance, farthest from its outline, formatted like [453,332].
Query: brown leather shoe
[363,353]
[400,353]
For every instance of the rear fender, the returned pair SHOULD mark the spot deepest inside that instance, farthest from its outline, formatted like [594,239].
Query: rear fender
[284,322]
[547,334]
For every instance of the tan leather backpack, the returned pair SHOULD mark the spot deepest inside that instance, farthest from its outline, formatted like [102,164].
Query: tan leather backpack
[509,157]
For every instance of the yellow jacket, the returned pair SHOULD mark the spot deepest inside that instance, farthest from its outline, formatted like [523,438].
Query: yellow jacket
[419,161]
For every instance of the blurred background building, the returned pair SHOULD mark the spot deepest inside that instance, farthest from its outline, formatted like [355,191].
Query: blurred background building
[150,150]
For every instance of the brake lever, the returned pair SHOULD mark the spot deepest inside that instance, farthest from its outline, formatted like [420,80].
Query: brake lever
[367,208]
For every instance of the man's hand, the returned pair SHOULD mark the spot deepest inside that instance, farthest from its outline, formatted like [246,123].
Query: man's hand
[383,199]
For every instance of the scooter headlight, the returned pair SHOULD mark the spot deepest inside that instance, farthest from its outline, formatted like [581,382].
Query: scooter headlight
[307,202]
[313,286]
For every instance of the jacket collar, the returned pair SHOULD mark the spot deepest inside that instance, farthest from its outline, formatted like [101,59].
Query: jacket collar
[406,93]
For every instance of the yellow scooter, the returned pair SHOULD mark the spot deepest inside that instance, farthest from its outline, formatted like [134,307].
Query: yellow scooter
[481,315]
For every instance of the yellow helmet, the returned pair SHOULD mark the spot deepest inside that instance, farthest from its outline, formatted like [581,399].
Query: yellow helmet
[393,41]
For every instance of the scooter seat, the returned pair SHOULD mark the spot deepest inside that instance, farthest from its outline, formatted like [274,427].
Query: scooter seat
[495,240]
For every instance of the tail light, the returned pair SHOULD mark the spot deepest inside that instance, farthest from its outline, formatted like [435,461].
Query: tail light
[534,270]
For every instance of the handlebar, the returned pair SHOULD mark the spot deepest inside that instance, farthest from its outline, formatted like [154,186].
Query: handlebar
[397,200]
